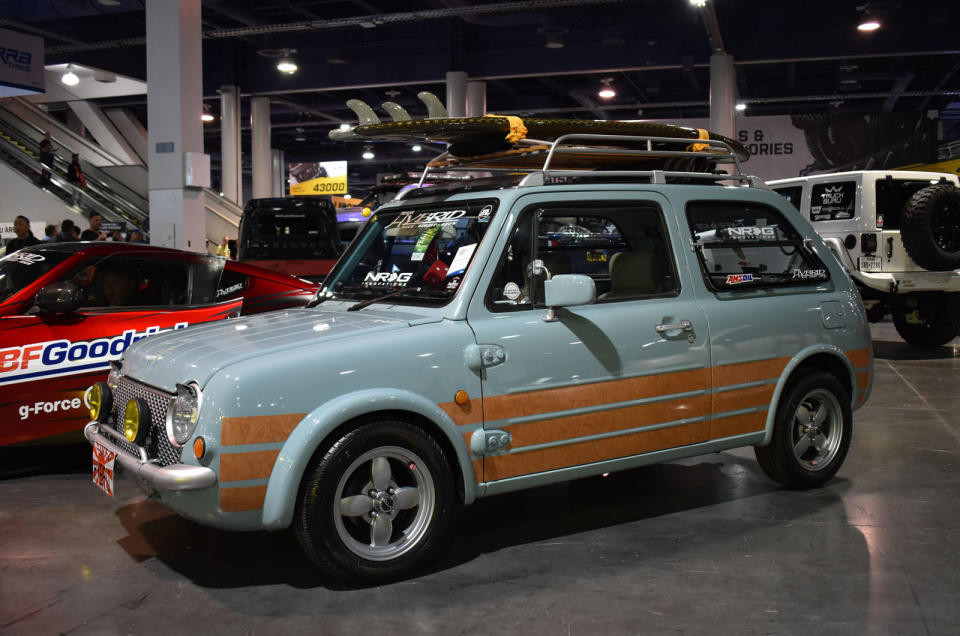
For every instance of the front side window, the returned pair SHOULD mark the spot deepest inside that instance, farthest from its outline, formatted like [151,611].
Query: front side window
[418,255]
[23,267]
[623,248]
[833,201]
[744,245]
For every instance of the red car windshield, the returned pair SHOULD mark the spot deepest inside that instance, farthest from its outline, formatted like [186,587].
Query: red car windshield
[21,268]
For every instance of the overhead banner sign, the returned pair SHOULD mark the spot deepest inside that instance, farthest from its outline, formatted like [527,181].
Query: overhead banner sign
[21,64]
[324,177]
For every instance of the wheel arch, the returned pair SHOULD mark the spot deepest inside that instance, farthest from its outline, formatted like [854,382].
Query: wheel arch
[350,411]
[823,357]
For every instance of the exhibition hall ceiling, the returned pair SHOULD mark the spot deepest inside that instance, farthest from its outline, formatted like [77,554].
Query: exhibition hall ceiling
[536,56]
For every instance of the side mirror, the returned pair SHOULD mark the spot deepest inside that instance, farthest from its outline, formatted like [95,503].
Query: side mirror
[59,297]
[567,290]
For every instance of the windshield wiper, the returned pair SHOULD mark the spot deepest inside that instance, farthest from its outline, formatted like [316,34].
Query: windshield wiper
[370,301]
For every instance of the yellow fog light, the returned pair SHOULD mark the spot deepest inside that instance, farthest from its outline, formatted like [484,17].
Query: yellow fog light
[99,399]
[135,413]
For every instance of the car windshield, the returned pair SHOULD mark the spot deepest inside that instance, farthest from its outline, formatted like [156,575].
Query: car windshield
[21,268]
[418,254]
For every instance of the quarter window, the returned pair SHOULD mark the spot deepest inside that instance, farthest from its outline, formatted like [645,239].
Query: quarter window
[833,201]
[742,245]
[624,249]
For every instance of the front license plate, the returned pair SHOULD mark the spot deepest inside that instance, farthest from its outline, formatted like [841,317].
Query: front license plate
[870,264]
[103,459]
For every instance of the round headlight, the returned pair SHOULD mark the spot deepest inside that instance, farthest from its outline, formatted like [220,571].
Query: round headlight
[183,413]
[136,420]
[99,399]
[113,380]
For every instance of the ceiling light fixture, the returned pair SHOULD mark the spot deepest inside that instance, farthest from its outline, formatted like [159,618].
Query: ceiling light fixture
[206,115]
[606,89]
[698,3]
[368,152]
[868,24]
[740,107]
[416,148]
[287,65]
[345,126]
[870,14]
[553,36]
[70,78]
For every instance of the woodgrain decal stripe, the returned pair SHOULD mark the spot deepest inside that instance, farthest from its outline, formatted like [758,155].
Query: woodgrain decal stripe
[258,429]
[241,499]
[240,466]
[859,358]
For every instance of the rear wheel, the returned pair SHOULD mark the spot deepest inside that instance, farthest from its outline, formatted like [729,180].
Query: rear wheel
[811,433]
[928,319]
[374,506]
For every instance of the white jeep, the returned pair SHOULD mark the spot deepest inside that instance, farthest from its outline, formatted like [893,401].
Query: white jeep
[898,235]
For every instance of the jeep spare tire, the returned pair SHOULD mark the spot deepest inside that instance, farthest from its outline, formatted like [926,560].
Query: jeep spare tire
[930,227]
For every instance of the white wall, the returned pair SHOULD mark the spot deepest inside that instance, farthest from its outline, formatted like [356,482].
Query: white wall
[20,196]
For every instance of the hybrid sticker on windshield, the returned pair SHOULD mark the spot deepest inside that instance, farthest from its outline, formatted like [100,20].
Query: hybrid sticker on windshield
[63,357]
[736,279]
[412,219]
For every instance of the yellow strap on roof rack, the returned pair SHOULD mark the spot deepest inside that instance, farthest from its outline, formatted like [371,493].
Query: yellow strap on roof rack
[701,134]
[518,130]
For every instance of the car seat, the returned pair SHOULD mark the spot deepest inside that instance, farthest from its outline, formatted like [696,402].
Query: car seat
[633,274]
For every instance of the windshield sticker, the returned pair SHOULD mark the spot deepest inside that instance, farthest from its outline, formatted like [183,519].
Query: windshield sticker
[65,357]
[752,233]
[425,219]
[26,258]
[484,215]
[808,274]
[383,279]
[461,258]
[453,283]
[736,279]
[423,243]
[511,291]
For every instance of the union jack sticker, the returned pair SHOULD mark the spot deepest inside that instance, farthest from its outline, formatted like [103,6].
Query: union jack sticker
[103,459]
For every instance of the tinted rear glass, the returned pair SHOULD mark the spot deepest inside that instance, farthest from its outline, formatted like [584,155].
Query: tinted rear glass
[892,197]
[298,230]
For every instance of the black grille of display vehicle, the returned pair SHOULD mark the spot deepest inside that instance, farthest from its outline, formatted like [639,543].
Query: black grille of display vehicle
[157,445]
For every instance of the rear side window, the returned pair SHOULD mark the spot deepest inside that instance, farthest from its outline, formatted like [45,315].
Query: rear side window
[892,197]
[746,245]
[792,194]
[122,281]
[833,201]
[623,248]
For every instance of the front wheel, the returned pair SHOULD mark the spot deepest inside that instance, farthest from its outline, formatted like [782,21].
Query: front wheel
[375,504]
[928,319]
[811,433]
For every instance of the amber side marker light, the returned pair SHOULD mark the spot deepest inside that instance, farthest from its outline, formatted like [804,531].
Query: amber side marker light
[199,448]
[461,397]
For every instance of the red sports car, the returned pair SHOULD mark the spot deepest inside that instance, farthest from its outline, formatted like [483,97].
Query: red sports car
[68,309]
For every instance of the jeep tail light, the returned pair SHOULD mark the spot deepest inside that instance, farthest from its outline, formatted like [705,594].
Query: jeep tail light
[868,243]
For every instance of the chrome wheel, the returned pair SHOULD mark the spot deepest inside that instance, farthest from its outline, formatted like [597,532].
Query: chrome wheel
[817,429]
[384,503]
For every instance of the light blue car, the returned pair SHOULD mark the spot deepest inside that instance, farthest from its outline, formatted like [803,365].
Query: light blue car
[474,342]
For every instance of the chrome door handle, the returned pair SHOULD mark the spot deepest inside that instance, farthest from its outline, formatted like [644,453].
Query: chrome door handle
[683,325]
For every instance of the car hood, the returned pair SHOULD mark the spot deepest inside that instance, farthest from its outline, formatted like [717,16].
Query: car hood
[197,353]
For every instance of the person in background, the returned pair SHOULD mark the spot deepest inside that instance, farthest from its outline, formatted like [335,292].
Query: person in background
[75,177]
[46,159]
[137,236]
[224,248]
[51,232]
[25,238]
[75,232]
[93,232]
[66,232]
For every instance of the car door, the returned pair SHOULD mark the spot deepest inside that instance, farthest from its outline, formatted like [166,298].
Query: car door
[627,375]
[47,361]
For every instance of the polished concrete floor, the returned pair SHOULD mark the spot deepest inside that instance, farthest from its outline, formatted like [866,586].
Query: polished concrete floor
[703,546]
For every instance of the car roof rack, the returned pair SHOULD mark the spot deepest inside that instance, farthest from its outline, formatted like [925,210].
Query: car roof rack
[573,150]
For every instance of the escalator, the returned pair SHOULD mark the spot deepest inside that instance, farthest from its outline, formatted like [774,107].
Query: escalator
[117,191]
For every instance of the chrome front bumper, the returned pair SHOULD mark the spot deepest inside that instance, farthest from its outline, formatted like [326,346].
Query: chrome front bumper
[161,478]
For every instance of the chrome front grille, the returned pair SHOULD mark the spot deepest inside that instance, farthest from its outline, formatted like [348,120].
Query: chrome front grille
[157,445]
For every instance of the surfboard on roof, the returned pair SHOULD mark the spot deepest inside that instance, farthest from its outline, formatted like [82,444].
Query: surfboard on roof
[496,141]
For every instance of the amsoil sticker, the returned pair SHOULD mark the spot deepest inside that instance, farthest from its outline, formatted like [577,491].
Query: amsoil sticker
[736,279]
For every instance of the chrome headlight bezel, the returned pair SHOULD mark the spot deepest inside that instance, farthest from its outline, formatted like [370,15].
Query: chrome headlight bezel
[183,413]
[113,378]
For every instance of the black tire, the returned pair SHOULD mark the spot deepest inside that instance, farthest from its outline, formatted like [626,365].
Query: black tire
[928,319]
[374,505]
[811,433]
[930,227]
